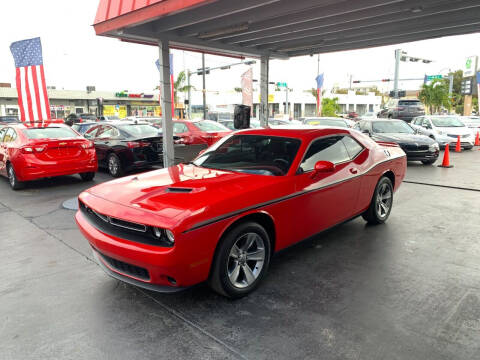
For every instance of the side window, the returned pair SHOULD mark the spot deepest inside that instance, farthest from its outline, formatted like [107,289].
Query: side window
[2,133]
[358,126]
[330,148]
[426,124]
[10,135]
[107,132]
[353,147]
[91,133]
[179,128]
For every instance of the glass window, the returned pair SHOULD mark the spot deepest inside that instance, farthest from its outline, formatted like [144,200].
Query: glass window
[426,124]
[90,133]
[179,128]
[409,102]
[391,127]
[107,132]
[207,125]
[330,148]
[50,133]
[353,147]
[139,130]
[2,133]
[253,154]
[447,121]
[326,122]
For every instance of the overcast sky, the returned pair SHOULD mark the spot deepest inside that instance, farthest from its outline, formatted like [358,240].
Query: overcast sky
[75,57]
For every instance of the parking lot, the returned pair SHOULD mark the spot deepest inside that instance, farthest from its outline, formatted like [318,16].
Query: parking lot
[404,290]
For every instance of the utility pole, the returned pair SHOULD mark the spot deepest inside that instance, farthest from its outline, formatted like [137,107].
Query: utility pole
[287,112]
[350,88]
[204,91]
[398,53]
[189,94]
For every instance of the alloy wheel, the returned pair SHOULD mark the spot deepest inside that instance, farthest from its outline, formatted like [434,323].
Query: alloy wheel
[246,260]
[11,176]
[384,200]
[113,165]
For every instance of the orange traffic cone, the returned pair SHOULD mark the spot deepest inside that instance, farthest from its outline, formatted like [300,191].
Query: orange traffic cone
[458,147]
[446,158]
[477,139]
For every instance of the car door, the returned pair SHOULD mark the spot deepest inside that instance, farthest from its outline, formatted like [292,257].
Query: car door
[427,127]
[3,153]
[103,142]
[326,198]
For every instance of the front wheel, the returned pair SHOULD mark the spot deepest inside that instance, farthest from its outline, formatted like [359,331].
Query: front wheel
[382,201]
[88,176]
[114,165]
[241,261]
[15,184]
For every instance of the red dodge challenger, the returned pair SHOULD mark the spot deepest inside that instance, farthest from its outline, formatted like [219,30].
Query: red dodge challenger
[222,217]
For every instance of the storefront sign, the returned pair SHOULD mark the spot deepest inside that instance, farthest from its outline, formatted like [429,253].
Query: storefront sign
[125,94]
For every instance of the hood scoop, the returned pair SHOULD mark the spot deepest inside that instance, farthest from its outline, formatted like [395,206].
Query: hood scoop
[178,190]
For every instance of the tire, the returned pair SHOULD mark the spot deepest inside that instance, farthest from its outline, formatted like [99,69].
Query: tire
[231,274]
[114,165]
[88,176]
[390,116]
[428,162]
[15,184]
[376,213]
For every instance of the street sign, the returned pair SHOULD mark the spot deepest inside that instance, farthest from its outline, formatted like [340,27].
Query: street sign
[466,86]
[433,77]
[281,84]
[470,66]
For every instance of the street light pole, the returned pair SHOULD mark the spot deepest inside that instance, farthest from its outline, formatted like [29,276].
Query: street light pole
[398,53]
[189,94]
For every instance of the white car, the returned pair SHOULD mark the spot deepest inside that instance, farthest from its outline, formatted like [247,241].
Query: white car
[445,129]
[473,122]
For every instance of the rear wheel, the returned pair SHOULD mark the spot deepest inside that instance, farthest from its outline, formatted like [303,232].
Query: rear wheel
[114,165]
[382,201]
[15,184]
[88,176]
[241,260]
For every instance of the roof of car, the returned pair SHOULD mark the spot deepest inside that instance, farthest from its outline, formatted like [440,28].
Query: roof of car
[37,125]
[304,132]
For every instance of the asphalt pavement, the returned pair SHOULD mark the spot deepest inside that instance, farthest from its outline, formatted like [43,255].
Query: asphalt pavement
[408,289]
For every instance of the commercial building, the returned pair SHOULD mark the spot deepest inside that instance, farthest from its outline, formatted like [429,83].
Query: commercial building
[65,102]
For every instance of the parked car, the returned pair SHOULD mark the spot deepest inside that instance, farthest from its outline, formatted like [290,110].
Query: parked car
[193,132]
[33,152]
[8,119]
[352,115]
[444,129]
[368,115]
[326,121]
[472,122]
[403,109]
[417,147]
[83,126]
[108,118]
[254,123]
[222,217]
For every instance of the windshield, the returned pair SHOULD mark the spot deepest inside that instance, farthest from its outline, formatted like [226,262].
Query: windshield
[207,125]
[253,154]
[140,130]
[50,133]
[391,126]
[409,102]
[326,122]
[447,122]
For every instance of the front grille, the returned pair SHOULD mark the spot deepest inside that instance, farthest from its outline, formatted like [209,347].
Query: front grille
[413,147]
[125,268]
[123,229]
[461,136]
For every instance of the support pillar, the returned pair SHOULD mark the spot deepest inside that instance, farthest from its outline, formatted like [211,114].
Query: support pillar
[263,108]
[166,102]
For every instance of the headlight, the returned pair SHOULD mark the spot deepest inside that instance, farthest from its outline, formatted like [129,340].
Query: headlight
[157,232]
[170,236]
[434,147]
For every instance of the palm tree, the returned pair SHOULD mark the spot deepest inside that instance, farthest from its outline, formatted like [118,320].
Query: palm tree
[180,86]
[435,96]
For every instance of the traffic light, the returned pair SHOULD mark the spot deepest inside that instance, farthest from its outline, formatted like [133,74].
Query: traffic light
[356,81]
[386,80]
[200,71]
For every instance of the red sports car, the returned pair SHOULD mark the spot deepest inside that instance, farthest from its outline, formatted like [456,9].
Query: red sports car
[29,152]
[222,217]
[194,132]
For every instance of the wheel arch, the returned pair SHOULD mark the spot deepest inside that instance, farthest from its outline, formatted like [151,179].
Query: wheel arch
[391,175]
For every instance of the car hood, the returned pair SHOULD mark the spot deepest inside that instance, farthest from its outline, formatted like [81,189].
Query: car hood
[454,130]
[188,192]
[404,138]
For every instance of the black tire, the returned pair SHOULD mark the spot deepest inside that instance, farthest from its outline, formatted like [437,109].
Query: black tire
[376,214]
[428,162]
[88,176]
[225,262]
[114,165]
[15,184]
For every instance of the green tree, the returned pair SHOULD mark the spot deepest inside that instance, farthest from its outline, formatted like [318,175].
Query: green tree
[180,86]
[330,107]
[435,95]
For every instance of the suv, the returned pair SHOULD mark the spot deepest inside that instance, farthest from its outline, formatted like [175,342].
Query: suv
[403,109]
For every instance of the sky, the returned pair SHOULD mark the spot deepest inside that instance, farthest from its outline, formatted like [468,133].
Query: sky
[74,57]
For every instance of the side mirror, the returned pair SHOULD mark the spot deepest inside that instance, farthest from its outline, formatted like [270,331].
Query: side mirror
[323,167]
[366,132]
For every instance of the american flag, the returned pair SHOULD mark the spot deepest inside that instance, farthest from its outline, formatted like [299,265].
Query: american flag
[32,90]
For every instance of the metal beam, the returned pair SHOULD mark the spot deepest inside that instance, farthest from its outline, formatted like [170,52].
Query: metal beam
[208,12]
[166,101]
[445,11]
[263,110]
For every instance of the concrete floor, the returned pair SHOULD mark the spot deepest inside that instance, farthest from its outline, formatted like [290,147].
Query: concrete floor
[408,289]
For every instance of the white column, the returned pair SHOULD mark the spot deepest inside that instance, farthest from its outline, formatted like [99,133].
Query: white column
[263,109]
[166,101]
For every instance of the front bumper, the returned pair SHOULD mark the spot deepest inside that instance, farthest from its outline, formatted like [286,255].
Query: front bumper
[466,143]
[421,155]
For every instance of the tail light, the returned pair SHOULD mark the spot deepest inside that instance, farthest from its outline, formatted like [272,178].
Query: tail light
[137,144]
[87,145]
[32,149]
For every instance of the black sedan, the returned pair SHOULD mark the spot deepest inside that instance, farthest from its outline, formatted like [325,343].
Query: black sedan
[124,146]
[417,147]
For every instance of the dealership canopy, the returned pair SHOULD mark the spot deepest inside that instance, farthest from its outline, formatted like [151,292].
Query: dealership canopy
[278,28]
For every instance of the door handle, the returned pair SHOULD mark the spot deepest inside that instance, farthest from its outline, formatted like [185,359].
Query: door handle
[354,171]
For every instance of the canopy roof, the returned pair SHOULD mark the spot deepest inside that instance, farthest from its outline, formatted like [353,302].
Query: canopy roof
[284,28]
